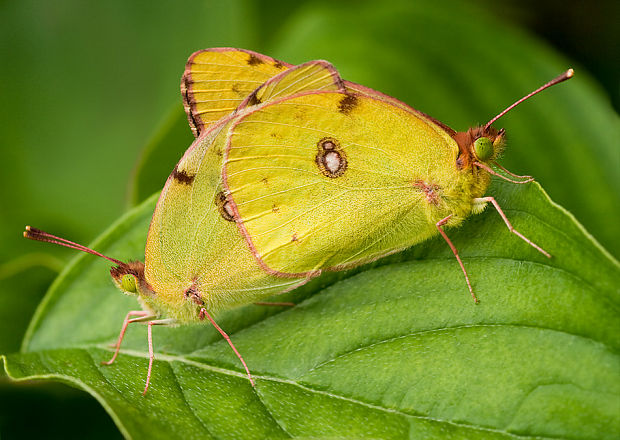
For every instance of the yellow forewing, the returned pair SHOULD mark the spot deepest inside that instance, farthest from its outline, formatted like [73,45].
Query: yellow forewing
[217,80]
[300,212]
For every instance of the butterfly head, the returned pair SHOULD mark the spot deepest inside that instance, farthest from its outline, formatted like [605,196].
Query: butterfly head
[129,278]
[481,146]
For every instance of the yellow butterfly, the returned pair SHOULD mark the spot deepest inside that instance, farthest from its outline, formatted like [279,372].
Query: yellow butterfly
[295,171]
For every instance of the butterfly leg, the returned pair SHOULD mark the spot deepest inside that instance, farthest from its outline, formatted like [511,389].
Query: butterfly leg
[439,225]
[142,315]
[202,315]
[150,325]
[510,227]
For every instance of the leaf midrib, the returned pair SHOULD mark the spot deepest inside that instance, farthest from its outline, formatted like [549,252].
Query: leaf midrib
[585,286]
[186,359]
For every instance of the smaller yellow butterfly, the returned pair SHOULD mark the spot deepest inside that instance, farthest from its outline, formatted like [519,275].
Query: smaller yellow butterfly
[295,171]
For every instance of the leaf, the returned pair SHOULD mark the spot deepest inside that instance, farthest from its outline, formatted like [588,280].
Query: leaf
[396,349]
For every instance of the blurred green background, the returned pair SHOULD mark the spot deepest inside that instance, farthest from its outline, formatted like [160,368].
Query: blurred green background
[86,86]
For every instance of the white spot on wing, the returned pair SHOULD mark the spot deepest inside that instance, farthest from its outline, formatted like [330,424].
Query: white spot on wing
[332,162]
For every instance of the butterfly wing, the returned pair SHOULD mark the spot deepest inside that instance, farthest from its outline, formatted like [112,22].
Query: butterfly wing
[335,179]
[195,255]
[216,80]
[303,175]
[312,76]
[194,244]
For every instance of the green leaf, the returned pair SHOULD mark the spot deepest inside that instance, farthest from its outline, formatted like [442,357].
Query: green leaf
[396,349]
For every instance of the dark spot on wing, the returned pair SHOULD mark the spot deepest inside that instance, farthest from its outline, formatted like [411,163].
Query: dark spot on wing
[253,60]
[224,207]
[182,176]
[330,159]
[278,65]
[275,209]
[253,99]
[347,104]
[265,181]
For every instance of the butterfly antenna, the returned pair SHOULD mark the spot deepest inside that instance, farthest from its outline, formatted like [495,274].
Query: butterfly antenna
[39,235]
[563,77]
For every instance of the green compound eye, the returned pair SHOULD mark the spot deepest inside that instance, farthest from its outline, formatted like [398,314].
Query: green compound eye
[128,283]
[483,147]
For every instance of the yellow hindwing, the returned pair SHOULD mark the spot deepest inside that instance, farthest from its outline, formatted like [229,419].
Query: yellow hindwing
[331,179]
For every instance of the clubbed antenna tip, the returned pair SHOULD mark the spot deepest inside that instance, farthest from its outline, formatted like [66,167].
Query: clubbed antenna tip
[558,79]
[39,235]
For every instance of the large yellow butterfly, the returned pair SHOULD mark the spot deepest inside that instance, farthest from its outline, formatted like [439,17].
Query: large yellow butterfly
[294,171]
